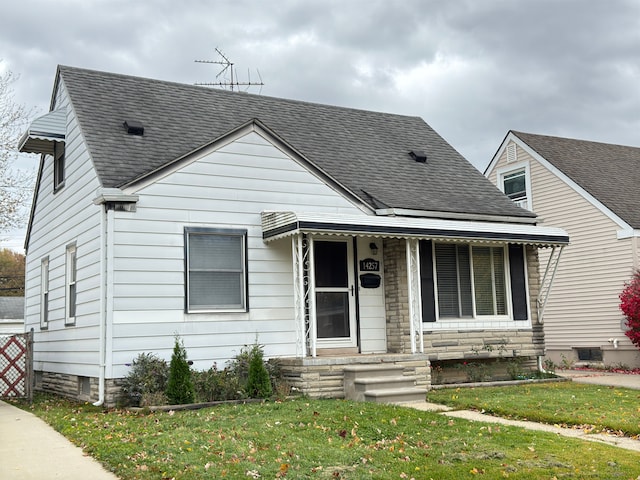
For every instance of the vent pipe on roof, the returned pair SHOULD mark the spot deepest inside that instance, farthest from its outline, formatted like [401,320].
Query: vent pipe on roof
[133,127]
[418,155]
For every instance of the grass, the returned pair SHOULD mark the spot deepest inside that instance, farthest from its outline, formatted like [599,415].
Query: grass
[598,408]
[323,439]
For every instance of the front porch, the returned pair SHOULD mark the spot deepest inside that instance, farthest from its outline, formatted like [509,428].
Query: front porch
[324,377]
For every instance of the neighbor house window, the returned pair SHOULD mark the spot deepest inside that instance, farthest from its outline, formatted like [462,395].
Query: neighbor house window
[474,282]
[44,293]
[515,187]
[71,276]
[216,269]
[58,166]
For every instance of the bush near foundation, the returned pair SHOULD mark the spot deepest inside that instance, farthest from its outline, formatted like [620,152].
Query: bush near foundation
[630,306]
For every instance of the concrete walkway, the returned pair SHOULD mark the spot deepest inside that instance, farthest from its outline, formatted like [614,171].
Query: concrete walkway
[32,450]
[596,377]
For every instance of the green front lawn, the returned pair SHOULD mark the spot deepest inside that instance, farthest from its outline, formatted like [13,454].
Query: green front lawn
[598,408]
[324,439]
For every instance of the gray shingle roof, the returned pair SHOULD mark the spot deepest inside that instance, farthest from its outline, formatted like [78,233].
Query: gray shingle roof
[11,308]
[366,152]
[610,173]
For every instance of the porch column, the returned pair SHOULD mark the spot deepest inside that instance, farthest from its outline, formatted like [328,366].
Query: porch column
[305,338]
[414,293]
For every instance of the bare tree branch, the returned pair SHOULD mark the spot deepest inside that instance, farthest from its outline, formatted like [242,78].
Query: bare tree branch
[15,184]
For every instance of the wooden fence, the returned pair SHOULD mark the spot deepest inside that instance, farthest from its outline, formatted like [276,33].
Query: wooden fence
[16,366]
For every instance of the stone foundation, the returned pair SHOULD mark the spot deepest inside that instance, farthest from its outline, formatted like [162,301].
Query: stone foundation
[323,377]
[82,389]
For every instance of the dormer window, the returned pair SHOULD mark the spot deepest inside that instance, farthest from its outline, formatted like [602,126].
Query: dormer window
[58,166]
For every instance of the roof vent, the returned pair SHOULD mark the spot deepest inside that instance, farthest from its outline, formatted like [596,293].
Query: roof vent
[418,156]
[133,127]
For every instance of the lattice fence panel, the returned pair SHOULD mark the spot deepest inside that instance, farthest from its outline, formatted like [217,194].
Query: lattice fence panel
[16,365]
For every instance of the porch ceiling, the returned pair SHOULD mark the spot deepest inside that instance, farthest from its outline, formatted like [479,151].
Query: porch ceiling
[280,224]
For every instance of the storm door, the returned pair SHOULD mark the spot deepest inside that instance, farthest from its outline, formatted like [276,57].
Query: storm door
[334,293]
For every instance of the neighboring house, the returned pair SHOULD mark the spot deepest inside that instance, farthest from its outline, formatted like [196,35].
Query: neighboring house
[591,190]
[11,315]
[332,236]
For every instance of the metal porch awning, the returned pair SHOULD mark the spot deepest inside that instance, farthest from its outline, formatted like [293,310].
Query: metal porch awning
[279,224]
[44,132]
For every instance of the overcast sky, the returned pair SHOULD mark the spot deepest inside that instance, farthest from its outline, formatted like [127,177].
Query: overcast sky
[472,69]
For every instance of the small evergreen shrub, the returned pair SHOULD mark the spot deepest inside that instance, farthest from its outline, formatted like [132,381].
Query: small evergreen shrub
[258,381]
[146,380]
[179,386]
[630,306]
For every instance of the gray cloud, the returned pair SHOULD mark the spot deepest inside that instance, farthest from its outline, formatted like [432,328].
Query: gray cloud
[472,69]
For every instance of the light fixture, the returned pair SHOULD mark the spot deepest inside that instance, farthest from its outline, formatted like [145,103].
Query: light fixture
[374,248]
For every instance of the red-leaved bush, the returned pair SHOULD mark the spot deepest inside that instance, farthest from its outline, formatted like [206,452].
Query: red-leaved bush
[630,306]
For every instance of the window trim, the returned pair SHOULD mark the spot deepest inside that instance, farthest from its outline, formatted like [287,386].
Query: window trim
[71,283]
[235,232]
[59,170]
[44,293]
[515,168]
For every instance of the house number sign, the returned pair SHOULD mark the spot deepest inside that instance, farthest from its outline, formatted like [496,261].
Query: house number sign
[369,265]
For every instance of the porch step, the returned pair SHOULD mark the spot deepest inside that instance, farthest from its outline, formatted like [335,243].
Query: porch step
[398,395]
[381,383]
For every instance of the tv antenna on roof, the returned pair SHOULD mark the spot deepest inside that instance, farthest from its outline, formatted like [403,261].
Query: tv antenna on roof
[229,75]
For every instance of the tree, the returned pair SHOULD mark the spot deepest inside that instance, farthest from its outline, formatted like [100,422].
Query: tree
[11,273]
[630,306]
[179,386]
[15,185]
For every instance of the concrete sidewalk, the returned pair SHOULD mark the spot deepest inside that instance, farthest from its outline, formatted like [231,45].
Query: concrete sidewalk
[596,377]
[32,450]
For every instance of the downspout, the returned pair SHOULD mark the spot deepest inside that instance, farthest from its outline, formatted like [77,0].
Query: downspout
[103,288]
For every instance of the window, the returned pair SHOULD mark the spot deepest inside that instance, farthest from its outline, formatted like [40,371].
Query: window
[58,166]
[475,282]
[216,269]
[44,293]
[70,294]
[515,187]
[470,279]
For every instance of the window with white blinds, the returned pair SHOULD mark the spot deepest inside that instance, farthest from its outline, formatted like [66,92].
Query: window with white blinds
[216,269]
[470,280]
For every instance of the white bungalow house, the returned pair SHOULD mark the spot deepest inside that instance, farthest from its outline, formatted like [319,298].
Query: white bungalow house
[334,237]
[590,189]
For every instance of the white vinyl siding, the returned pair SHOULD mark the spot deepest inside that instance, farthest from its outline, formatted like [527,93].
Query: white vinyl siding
[59,219]
[223,189]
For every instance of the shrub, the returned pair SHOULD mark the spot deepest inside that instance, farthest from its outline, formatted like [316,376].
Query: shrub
[258,382]
[630,306]
[214,385]
[179,385]
[146,380]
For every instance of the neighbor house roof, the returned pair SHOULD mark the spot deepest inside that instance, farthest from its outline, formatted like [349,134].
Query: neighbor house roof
[11,308]
[367,153]
[609,173]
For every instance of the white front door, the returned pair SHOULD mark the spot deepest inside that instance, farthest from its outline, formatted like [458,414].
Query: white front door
[334,293]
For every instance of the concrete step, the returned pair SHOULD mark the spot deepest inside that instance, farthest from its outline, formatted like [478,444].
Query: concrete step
[398,395]
[372,370]
[380,383]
